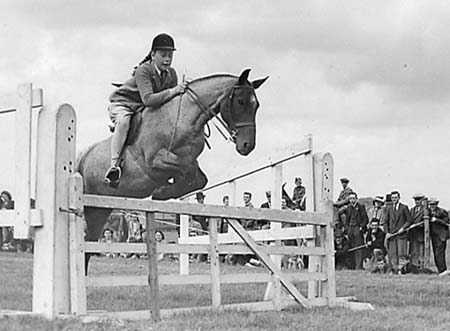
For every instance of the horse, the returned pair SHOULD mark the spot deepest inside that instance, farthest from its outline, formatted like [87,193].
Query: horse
[161,162]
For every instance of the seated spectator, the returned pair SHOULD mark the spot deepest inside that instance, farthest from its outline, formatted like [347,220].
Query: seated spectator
[160,239]
[343,258]
[380,266]
[375,240]
[133,239]
[6,233]
[108,237]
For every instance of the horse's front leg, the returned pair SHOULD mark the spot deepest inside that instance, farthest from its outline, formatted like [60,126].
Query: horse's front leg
[193,179]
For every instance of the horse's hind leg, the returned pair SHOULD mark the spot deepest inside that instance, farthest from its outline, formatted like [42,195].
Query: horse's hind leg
[95,220]
[192,180]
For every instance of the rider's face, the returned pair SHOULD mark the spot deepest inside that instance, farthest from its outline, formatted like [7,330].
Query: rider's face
[162,59]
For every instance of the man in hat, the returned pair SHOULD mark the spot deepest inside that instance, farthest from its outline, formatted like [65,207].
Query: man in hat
[355,226]
[341,256]
[299,194]
[416,235]
[203,221]
[439,233]
[398,219]
[343,198]
[378,210]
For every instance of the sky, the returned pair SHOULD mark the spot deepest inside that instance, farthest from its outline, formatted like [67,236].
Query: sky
[370,80]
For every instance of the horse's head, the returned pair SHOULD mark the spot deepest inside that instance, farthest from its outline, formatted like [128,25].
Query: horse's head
[239,112]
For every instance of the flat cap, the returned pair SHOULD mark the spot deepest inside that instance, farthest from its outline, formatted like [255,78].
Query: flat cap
[345,180]
[418,196]
[433,201]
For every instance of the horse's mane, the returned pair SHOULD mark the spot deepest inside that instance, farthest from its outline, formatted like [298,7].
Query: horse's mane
[203,78]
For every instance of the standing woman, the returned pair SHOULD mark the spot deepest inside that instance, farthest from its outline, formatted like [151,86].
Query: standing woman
[153,83]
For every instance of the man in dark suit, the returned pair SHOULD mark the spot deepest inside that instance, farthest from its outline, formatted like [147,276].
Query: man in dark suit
[416,235]
[439,234]
[355,226]
[398,218]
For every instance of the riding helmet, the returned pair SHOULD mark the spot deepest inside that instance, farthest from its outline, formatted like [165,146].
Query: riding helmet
[163,42]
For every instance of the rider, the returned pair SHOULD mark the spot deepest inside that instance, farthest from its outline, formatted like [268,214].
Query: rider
[153,83]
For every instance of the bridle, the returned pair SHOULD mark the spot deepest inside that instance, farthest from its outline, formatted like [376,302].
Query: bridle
[234,126]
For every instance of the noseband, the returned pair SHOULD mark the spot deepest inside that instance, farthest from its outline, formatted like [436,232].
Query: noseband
[233,129]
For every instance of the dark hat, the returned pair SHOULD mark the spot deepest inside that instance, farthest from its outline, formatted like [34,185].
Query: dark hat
[345,180]
[199,195]
[7,194]
[163,42]
[418,196]
[298,178]
[338,233]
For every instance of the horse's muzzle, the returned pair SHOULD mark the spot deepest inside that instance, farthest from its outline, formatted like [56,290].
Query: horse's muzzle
[245,140]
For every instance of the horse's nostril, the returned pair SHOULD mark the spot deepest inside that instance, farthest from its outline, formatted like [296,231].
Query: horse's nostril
[245,145]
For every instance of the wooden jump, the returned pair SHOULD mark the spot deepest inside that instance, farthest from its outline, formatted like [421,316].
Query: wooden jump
[59,282]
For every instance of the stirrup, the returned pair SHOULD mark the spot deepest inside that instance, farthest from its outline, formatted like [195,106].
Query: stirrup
[112,176]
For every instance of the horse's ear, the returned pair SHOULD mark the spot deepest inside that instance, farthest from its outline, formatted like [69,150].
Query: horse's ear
[257,83]
[243,77]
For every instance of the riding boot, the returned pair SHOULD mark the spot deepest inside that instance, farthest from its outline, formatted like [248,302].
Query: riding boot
[112,176]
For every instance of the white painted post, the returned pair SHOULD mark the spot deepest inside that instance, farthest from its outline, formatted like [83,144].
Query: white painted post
[184,234]
[55,164]
[78,304]
[277,174]
[214,264]
[22,190]
[329,287]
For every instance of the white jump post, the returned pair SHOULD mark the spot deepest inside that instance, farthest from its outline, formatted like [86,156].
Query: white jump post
[184,234]
[55,165]
[22,217]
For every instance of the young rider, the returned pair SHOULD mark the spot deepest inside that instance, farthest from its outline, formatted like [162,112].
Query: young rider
[153,83]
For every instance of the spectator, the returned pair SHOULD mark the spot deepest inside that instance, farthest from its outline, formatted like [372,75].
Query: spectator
[398,218]
[416,235]
[439,234]
[247,225]
[381,266]
[355,226]
[299,195]
[203,221]
[133,224]
[6,233]
[223,226]
[107,237]
[378,210]
[117,222]
[375,242]
[268,202]
[160,239]
[341,255]
[343,198]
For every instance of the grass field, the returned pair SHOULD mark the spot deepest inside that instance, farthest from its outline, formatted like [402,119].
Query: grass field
[409,302]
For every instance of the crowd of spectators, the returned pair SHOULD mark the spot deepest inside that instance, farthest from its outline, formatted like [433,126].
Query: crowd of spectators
[384,235]
[389,236]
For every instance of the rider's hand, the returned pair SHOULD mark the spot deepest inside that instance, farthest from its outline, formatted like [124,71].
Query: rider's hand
[179,89]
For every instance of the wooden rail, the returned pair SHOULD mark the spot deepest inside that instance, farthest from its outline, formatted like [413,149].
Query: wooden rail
[258,214]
